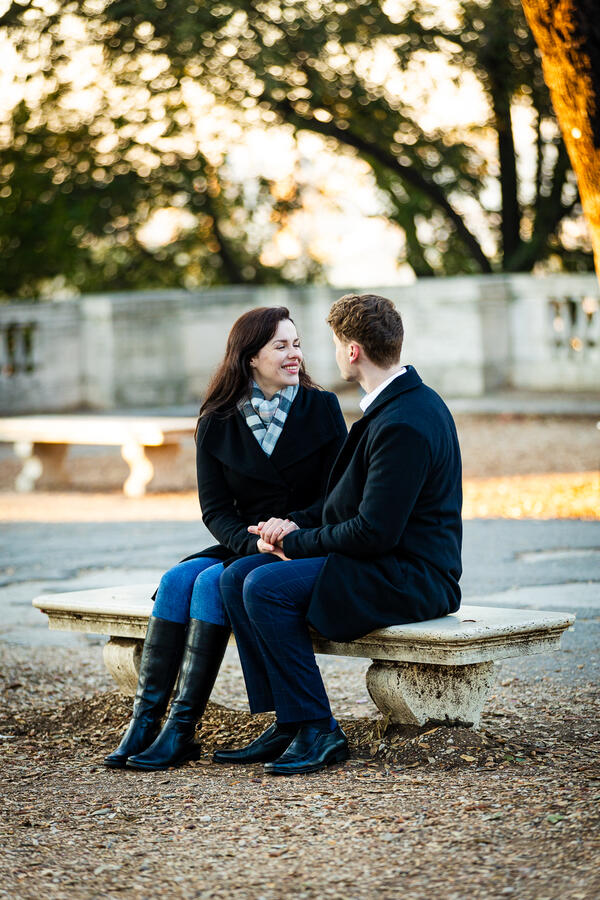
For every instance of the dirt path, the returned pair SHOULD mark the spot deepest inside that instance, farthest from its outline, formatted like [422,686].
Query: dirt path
[509,811]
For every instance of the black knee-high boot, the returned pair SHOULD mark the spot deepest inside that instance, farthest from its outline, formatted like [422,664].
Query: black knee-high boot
[204,650]
[161,657]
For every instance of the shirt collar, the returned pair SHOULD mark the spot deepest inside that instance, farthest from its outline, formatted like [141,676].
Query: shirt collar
[368,398]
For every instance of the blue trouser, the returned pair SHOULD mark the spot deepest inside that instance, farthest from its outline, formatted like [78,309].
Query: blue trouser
[190,590]
[266,601]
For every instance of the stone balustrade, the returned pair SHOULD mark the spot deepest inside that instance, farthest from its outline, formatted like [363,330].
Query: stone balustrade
[466,335]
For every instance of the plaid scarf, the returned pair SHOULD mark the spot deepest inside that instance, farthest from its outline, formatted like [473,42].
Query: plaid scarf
[266,418]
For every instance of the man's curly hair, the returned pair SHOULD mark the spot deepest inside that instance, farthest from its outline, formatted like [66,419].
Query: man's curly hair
[371,321]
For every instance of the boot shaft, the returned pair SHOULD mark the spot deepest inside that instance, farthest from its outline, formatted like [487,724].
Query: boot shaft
[161,658]
[205,647]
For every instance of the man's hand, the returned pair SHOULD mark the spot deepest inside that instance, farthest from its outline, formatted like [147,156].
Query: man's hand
[273,530]
[263,547]
[270,534]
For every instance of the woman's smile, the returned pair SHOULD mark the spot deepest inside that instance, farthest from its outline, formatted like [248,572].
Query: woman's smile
[277,365]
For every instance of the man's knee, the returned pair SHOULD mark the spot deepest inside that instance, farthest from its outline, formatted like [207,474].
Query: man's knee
[231,583]
[260,589]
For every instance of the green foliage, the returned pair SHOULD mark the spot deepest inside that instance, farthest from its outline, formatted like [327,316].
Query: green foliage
[76,188]
[311,65]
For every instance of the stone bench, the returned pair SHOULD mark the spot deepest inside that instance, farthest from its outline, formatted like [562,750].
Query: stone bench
[440,671]
[42,443]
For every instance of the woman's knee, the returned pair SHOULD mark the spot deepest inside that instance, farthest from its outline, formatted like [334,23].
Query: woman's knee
[208,579]
[173,597]
[171,580]
[182,576]
[207,603]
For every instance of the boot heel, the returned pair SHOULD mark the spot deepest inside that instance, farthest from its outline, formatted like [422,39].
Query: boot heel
[340,756]
[194,753]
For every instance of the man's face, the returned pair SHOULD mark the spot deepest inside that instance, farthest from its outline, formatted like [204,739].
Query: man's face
[342,358]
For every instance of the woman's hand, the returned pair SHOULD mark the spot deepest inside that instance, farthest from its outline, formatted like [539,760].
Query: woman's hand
[273,530]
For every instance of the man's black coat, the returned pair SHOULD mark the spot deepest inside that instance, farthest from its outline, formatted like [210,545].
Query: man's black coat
[239,485]
[390,523]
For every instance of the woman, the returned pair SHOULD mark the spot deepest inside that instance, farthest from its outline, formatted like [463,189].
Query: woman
[265,442]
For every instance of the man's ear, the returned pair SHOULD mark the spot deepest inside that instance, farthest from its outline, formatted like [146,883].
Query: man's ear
[353,351]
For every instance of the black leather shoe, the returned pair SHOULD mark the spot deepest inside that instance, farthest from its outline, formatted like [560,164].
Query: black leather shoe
[311,750]
[270,745]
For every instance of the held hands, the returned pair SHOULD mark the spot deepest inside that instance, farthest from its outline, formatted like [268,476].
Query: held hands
[270,535]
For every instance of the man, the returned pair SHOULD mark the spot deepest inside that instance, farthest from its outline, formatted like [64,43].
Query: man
[382,548]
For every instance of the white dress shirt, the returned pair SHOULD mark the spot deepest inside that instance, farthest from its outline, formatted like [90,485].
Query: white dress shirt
[368,398]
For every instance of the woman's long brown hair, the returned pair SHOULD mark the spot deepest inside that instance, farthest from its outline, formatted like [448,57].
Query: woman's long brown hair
[247,337]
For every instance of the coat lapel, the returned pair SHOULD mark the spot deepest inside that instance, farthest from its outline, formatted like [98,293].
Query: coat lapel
[303,432]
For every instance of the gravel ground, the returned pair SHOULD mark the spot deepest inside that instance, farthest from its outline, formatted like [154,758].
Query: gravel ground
[510,810]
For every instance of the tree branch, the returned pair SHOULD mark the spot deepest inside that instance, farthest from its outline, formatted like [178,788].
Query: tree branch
[408,173]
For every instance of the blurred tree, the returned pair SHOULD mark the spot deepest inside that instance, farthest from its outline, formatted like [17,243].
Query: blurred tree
[314,65]
[78,189]
[568,35]
[358,73]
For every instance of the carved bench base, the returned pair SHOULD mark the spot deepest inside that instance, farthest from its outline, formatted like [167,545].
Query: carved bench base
[122,659]
[418,693]
[407,693]
[43,465]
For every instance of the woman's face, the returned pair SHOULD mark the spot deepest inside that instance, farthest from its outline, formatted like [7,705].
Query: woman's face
[277,364]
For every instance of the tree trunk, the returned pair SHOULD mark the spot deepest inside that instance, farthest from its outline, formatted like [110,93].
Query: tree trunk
[568,35]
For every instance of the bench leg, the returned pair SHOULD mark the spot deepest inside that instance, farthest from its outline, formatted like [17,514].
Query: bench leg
[140,469]
[418,693]
[145,463]
[122,659]
[43,463]
[164,460]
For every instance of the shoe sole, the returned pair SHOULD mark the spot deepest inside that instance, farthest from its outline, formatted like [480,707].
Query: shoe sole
[339,757]
[192,755]
[244,762]
[250,762]
[115,765]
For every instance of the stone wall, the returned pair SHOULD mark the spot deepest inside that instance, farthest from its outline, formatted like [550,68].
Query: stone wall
[467,336]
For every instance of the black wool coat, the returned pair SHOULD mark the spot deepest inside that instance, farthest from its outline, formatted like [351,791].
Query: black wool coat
[239,485]
[390,523]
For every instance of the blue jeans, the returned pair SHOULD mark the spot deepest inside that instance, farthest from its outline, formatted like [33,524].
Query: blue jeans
[190,590]
[266,601]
